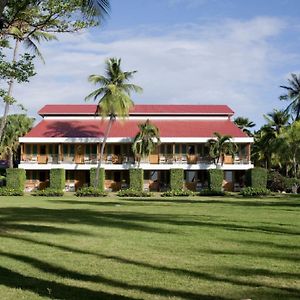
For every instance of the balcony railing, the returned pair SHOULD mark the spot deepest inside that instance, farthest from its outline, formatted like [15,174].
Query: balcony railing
[124,159]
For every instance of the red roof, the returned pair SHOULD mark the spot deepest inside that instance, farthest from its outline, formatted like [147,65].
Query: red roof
[141,109]
[129,128]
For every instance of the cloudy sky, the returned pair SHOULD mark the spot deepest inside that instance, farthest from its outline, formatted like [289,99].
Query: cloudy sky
[233,52]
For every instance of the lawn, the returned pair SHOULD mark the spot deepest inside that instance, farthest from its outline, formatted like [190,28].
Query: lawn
[110,248]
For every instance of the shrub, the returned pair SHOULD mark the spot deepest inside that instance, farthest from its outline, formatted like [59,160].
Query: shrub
[90,192]
[275,182]
[176,179]
[291,184]
[136,177]
[215,179]
[100,183]
[209,192]
[178,193]
[254,192]
[133,193]
[6,191]
[257,178]
[57,179]
[49,192]
[15,179]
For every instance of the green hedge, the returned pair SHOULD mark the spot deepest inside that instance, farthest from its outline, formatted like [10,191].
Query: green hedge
[100,185]
[257,178]
[57,179]
[176,179]
[215,179]
[136,177]
[15,179]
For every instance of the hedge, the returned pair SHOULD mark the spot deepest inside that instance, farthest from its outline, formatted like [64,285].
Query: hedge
[57,179]
[15,179]
[215,179]
[136,177]
[101,179]
[176,179]
[257,178]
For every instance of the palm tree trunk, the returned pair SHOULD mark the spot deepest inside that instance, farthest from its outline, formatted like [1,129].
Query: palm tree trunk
[10,90]
[10,159]
[107,131]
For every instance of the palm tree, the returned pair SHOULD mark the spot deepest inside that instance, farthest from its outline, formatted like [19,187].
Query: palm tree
[244,124]
[114,93]
[277,119]
[220,146]
[145,140]
[293,95]
[16,126]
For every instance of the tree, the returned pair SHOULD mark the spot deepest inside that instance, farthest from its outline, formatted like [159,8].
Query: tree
[145,140]
[244,124]
[16,126]
[277,119]
[115,97]
[221,145]
[293,95]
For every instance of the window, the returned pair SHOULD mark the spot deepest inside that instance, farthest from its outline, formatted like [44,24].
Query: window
[72,149]
[183,149]
[191,149]
[169,149]
[65,149]
[34,149]
[43,149]
[88,149]
[177,148]
[28,149]
[94,149]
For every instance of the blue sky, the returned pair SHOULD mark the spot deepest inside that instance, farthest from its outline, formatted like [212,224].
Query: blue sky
[233,52]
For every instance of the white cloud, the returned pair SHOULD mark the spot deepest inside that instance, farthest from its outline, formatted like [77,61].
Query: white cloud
[228,63]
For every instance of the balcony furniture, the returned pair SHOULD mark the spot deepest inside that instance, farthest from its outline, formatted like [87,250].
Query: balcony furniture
[169,159]
[237,160]
[33,159]
[68,159]
[116,159]
[162,159]
[183,159]
[42,159]
[192,159]
[109,159]
[228,159]
[87,160]
[153,158]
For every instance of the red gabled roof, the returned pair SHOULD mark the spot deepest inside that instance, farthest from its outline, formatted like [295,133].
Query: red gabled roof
[140,109]
[129,128]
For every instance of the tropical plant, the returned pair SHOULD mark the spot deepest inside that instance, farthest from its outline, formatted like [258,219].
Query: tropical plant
[293,95]
[115,97]
[145,140]
[244,124]
[221,145]
[277,119]
[16,126]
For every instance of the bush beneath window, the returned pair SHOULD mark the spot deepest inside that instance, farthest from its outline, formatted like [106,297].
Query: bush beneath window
[257,177]
[6,191]
[90,192]
[15,178]
[254,192]
[133,193]
[215,179]
[209,192]
[48,193]
[178,193]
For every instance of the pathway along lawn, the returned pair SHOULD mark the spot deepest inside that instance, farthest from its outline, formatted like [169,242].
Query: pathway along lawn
[208,248]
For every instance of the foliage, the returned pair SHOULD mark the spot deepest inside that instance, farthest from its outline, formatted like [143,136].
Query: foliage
[177,193]
[257,177]
[6,191]
[277,119]
[292,184]
[16,127]
[275,182]
[133,193]
[254,191]
[90,192]
[101,178]
[57,179]
[219,146]
[136,179]
[176,179]
[115,96]
[293,95]
[48,192]
[244,124]
[215,179]
[145,140]
[211,192]
[15,178]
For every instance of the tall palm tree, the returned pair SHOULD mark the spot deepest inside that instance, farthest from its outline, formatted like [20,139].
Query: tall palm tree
[293,95]
[114,93]
[16,126]
[277,119]
[221,145]
[244,124]
[145,140]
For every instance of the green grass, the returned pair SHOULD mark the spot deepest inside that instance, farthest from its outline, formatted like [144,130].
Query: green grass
[198,248]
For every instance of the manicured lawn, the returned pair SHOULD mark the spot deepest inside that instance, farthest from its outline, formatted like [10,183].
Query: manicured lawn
[199,248]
